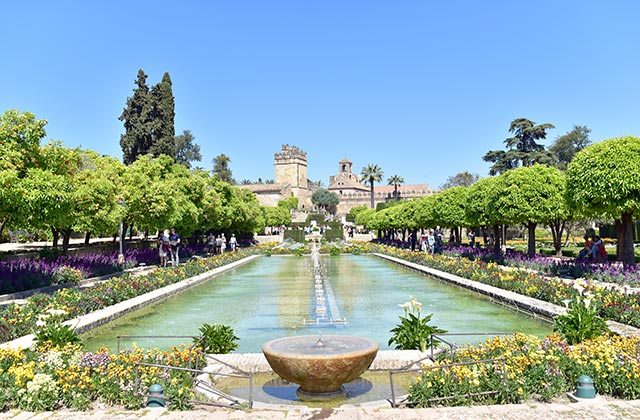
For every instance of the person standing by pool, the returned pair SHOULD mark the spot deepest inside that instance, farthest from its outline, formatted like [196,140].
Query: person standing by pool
[163,248]
[174,242]
[233,242]
[223,244]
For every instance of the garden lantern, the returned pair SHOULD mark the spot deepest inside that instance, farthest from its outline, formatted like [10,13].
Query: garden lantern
[585,387]
[156,397]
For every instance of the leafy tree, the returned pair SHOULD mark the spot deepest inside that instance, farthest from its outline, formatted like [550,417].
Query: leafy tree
[325,199]
[221,168]
[290,203]
[532,195]
[96,194]
[461,179]
[276,216]
[162,119]
[50,191]
[481,209]
[354,211]
[363,217]
[523,148]
[137,118]
[395,180]
[566,146]
[449,209]
[371,174]
[603,180]
[149,193]
[20,136]
[186,150]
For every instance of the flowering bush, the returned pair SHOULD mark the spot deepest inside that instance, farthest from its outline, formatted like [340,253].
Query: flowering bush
[18,320]
[57,377]
[535,368]
[615,302]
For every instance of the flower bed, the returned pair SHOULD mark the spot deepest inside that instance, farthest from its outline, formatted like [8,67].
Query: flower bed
[51,378]
[536,368]
[609,272]
[21,275]
[18,320]
[616,302]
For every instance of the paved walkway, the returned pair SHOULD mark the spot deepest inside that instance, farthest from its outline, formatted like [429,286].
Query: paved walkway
[534,411]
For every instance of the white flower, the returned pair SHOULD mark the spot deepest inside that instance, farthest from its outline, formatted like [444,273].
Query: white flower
[587,302]
[405,305]
[40,323]
[567,302]
[579,288]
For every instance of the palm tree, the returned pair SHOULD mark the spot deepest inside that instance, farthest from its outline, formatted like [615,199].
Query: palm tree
[370,174]
[246,182]
[395,180]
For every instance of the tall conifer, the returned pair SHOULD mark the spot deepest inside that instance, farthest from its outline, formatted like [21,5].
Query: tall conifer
[137,140]
[163,129]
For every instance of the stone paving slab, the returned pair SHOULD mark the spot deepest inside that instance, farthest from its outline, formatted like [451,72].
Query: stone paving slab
[606,410]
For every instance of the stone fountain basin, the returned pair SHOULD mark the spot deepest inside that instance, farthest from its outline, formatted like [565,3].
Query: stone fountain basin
[320,369]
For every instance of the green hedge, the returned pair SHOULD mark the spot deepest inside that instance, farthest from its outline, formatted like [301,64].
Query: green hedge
[295,234]
[333,234]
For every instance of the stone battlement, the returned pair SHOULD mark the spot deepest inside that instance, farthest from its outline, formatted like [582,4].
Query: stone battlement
[290,152]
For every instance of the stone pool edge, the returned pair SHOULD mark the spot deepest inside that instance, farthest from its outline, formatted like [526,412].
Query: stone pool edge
[97,318]
[528,304]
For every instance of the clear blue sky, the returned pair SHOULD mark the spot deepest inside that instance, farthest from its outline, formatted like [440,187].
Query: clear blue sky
[422,88]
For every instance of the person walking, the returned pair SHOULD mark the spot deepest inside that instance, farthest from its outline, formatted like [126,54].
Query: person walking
[223,244]
[211,243]
[432,242]
[174,243]
[233,242]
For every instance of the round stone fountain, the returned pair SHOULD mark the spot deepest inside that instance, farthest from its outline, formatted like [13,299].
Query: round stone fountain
[320,365]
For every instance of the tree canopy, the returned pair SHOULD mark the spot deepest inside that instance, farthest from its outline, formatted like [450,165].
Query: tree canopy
[604,180]
[523,148]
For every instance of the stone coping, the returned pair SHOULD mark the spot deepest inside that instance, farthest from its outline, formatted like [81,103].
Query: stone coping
[528,304]
[94,319]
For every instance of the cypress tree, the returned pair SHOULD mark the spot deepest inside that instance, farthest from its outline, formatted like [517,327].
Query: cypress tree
[163,128]
[137,114]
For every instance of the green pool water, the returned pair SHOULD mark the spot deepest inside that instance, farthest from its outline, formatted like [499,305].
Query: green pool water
[270,297]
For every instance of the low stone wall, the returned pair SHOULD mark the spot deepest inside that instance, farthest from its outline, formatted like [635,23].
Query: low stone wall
[525,303]
[102,316]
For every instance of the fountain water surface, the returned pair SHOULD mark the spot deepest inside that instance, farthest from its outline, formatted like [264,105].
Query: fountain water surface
[320,365]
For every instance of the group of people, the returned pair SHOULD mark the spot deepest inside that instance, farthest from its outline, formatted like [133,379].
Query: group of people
[431,241]
[593,250]
[169,247]
[217,245]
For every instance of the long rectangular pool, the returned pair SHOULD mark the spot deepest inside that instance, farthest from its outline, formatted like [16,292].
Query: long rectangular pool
[272,297]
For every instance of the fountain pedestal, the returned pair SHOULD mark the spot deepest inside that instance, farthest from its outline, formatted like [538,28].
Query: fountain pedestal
[320,366]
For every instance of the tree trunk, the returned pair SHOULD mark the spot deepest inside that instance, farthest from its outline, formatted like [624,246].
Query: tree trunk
[497,239]
[373,204]
[131,232]
[87,237]
[56,236]
[2,225]
[531,238]
[619,239]
[627,247]
[66,236]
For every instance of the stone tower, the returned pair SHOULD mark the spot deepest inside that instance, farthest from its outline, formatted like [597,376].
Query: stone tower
[290,166]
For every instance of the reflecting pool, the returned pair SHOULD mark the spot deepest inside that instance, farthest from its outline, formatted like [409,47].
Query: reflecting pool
[276,297]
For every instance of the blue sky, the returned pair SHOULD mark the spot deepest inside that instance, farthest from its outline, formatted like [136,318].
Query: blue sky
[421,88]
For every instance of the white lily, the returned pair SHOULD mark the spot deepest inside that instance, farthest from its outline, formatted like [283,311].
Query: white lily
[567,302]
